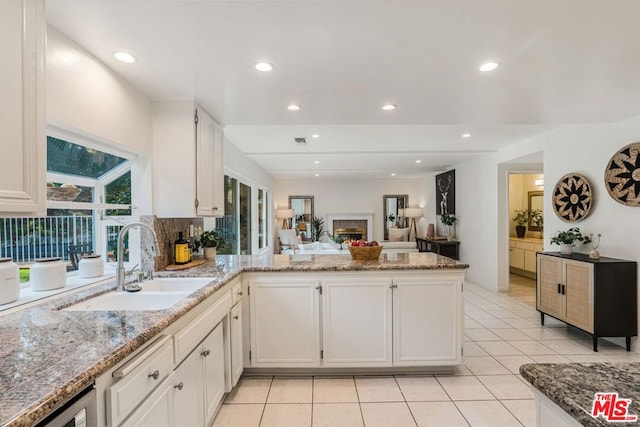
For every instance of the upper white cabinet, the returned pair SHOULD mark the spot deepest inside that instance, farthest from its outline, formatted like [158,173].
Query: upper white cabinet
[188,167]
[22,108]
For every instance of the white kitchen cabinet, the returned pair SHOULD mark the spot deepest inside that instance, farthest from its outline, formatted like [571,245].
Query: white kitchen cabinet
[188,167]
[516,258]
[237,365]
[187,391]
[212,357]
[157,409]
[22,108]
[356,307]
[427,320]
[522,254]
[285,321]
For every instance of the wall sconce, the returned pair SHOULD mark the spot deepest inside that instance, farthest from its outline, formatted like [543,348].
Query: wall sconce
[539,182]
[285,215]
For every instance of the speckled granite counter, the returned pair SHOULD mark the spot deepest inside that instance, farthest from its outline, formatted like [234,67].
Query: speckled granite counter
[572,386]
[47,355]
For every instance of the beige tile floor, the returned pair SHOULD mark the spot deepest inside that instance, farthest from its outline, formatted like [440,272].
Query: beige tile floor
[502,333]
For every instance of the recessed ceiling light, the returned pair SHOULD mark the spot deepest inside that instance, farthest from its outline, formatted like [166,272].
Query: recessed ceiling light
[393,174]
[466,135]
[418,161]
[488,66]
[317,162]
[315,135]
[317,174]
[125,57]
[293,107]
[389,107]
[264,66]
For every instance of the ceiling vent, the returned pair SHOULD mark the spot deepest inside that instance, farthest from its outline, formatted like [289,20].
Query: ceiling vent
[301,141]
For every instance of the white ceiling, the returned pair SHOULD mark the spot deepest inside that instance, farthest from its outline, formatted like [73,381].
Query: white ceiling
[562,62]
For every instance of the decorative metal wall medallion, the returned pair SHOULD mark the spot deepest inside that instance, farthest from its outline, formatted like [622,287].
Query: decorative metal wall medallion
[572,197]
[622,176]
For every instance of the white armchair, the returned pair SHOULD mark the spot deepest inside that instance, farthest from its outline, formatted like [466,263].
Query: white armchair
[289,240]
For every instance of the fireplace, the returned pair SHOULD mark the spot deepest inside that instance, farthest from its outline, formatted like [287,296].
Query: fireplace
[351,225]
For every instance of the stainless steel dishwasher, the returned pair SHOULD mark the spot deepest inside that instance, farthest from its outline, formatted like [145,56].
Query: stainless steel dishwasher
[79,411]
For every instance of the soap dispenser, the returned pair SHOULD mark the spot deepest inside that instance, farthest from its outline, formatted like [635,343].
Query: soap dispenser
[181,249]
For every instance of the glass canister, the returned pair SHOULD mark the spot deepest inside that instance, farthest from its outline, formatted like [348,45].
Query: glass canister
[47,274]
[90,266]
[9,281]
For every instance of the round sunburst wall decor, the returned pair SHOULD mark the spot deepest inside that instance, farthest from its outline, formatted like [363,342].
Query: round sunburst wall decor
[572,197]
[622,176]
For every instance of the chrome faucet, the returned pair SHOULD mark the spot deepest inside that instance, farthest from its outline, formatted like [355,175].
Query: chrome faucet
[120,278]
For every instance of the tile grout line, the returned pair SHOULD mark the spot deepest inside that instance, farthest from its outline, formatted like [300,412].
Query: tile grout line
[355,385]
[405,400]
[264,407]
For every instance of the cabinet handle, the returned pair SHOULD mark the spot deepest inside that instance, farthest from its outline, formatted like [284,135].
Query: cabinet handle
[240,293]
[205,353]
[563,289]
[393,286]
[155,375]
[559,288]
[215,208]
[179,386]
[236,317]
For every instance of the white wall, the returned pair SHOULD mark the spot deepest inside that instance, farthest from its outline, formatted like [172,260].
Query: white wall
[353,195]
[482,207]
[84,94]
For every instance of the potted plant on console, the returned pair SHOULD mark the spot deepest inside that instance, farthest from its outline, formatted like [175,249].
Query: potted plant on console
[520,217]
[448,220]
[566,239]
[210,240]
[317,225]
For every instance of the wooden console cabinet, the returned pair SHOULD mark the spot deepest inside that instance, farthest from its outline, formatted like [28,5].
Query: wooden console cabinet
[597,296]
[448,248]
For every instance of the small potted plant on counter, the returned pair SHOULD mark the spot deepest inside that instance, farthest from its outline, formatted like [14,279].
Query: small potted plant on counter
[520,217]
[448,220]
[210,240]
[566,239]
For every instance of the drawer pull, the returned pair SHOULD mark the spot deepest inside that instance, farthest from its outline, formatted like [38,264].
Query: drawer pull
[155,375]
[205,353]
[236,317]
[240,293]
[179,386]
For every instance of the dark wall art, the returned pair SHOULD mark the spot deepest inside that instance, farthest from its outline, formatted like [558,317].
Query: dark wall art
[446,193]
[572,197]
[622,176]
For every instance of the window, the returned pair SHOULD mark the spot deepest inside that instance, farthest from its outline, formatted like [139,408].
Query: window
[237,225]
[89,198]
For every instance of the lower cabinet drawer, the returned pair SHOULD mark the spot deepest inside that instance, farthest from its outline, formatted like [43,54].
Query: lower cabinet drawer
[139,377]
[189,337]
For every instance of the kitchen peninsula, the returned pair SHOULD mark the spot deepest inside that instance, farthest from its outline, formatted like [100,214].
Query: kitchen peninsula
[49,355]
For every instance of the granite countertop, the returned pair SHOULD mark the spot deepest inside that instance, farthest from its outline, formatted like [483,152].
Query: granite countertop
[572,386]
[48,355]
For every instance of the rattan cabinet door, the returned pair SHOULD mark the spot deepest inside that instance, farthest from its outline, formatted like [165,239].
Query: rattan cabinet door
[549,298]
[578,278]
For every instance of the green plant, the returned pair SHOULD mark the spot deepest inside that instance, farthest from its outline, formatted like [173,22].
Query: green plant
[569,237]
[521,217]
[211,239]
[537,218]
[317,225]
[448,219]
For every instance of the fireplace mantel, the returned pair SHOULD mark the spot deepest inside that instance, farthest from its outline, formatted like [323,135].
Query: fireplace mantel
[350,216]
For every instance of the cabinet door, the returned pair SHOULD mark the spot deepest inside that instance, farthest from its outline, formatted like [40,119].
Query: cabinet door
[156,410]
[285,322]
[22,121]
[212,354]
[205,139]
[549,276]
[530,261]
[427,321]
[236,344]
[516,258]
[578,278]
[187,392]
[356,322]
